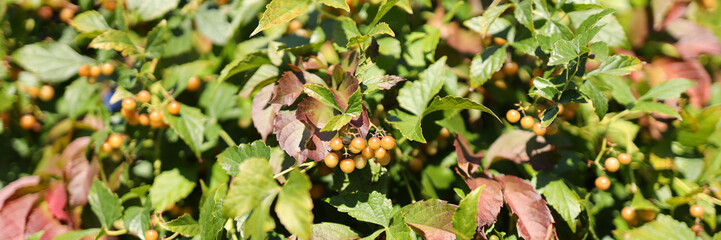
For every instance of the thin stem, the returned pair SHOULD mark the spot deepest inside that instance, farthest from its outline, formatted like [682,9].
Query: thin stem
[600,154]
[116,232]
[172,236]
[408,186]
[228,140]
[309,165]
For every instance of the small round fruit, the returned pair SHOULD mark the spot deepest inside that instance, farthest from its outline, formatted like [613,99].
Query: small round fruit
[156,124]
[336,144]
[143,119]
[628,214]
[143,96]
[115,141]
[107,69]
[624,158]
[156,116]
[611,164]
[513,116]
[94,71]
[368,153]
[647,215]
[151,234]
[357,144]
[560,109]
[129,104]
[47,93]
[603,183]
[324,170]
[697,229]
[537,72]
[33,92]
[360,162]
[193,84]
[374,143]
[67,14]
[510,68]
[539,129]
[331,160]
[293,26]
[388,142]
[384,160]
[444,133]
[347,165]
[110,5]
[709,4]
[27,121]
[696,211]
[499,41]
[45,13]
[416,164]
[552,129]
[106,147]
[493,237]
[84,70]
[527,122]
[380,153]
[316,191]
[174,108]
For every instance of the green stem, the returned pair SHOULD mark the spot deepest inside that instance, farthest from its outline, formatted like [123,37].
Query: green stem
[172,236]
[309,165]
[116,232]
[600,154]
[228,140]
[408,186]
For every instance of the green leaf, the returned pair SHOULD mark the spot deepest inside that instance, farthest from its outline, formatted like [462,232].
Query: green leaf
[616,85]
[322,94]
[639,202]
[257,183]
[618,65]
[482,23]
[52,61]
[668,89]
[77,234]
[485,64]
[185,225]
[280,11]
[381,28]
[189,125]
[523,12]
[168,188]
[178,75]
[545,88]
[337,122]
[560,197]
[89,21]
[451,102]
[696,130]
[433,213]
[152,9]
[386,6]
[600,103]
[328,230]
[116,40]
[105,204]
[211,219]
[231,157]
[260,222]
[76,101]
[562,52]
[372,208]
[341,4]
[655,107]
[590,27]
[250,61]
[664,227]
[464,218]
[610,32]
[294,205]
[136,220]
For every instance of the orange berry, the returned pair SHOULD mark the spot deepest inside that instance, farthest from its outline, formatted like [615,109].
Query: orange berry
[603,183]
[143,119]
[374,143]
[499,41]
[336,144]
[106,147]
[537,72]
[380,153]
[560,109]
[316,191]
[611,164]
[129,104]
[84,70]
[331,160]
[151,234]
[444,133]
[33,92]
[510,68]
[388,142]
[697,229]
[47,93]
[193,84]
[174,108]
[367,152]
[94,71]
[628,214]
[539,129]
[45,13]
[552,129]
[647,215]
[110,5]
[107,69]
[513,116]
[624,158]
[696,211]
[360,162]
[115,141]
[27,121]
[384,160]
[67,14]
[415,164]
[156,116]
[527,122]
[347,165]
[143,96]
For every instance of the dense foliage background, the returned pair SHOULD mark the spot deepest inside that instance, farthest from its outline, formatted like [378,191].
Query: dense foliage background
[218,119]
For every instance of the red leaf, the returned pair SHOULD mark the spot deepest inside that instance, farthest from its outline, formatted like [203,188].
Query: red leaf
[263,111]
[693,40]
[431,233]
[346,84]
[78,170]
[289,131]
[491,199]
[699,94]
[41,219]
[13,216]
[521,146]
[289,88]
[57,198]
[361,123]
[7,191]
[313,113]
[677,11]
[534,218]
[468,162]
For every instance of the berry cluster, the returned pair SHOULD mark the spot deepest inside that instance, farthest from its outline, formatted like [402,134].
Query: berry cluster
[155,119]
[375,148]
[94,71]
[612,164]
[528,122]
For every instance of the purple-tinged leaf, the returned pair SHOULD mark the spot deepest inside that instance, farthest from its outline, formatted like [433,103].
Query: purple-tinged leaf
[289,88]
[263,112]
[388,81]
[7,191]
[468,162]
[346,84]
[14,215]
[699,94]
[431,233]
[535,221]
[520,146]
[79,171]
[40,219]
[491,199]
[290,132]
[361,123]
[693,40]
[313,113]
[57,198]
